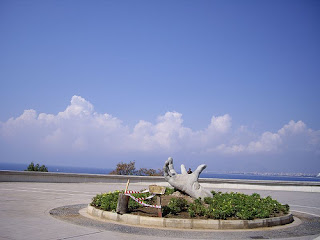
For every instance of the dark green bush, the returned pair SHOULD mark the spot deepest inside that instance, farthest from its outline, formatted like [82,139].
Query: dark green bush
[238,206]
[169,191]
[197,208]
[175,205]
[220,206]
[108,201]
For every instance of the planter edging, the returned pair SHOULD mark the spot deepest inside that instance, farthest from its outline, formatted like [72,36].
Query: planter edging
[189,223]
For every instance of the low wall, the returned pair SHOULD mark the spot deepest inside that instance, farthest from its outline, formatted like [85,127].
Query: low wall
[213,183]
[208,224]
[50,177]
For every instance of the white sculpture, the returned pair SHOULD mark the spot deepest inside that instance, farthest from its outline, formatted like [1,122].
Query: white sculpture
[187,183]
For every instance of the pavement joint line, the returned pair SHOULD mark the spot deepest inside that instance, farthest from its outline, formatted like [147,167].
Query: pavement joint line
[306,213]
[52,192]
[82,235]
[46,189]
[303,206]
[4,237]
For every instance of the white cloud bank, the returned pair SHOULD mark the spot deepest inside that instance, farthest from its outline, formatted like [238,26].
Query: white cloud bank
[80,130]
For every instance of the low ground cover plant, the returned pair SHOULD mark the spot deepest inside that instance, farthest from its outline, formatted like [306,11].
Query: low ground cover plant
[237,206]
[175,206]
[108,201]
[220,206]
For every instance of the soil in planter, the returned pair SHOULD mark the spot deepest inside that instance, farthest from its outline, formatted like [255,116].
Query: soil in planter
[153,212]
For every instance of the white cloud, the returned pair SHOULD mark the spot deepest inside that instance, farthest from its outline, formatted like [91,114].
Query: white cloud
[291,137]
[80,130]
[167,134]
[293,128]
[220,124]
[79,107]
[268,142]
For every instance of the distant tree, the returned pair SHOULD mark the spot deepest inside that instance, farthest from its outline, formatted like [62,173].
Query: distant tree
[149,172]
[43,168]
[130,169]
[37,168]
[125,169]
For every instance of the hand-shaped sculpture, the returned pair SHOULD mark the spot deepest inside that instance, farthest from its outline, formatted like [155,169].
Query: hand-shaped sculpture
[185,182]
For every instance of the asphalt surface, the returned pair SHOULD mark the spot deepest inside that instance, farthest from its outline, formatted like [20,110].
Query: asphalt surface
[51,211]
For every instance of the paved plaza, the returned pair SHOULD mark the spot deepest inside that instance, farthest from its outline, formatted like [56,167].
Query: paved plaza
[25,213]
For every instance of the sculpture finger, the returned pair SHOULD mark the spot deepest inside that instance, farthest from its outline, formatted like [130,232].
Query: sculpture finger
[199,169]
[183,169]
[170,165]
[166,171]
[167,177]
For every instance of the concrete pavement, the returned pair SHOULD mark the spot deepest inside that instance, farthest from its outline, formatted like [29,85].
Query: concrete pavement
[25,210]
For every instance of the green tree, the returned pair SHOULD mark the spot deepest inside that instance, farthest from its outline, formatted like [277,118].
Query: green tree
[37,168]
[43,168]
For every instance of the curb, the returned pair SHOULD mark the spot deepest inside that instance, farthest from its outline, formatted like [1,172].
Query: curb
[208,224]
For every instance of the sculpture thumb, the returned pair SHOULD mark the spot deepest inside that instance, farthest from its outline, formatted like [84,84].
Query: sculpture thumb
[183,169]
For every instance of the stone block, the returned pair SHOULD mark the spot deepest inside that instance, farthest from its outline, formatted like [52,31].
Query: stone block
[258,223]
[178,223]
[90,209]
[205,224]
[232,224]
[110,216]
[133,219]
[152,221]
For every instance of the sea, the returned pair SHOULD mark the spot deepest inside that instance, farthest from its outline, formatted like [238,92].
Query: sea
[64,169]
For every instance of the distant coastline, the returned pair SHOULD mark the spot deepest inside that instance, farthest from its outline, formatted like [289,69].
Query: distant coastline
[270,174]
[205,174]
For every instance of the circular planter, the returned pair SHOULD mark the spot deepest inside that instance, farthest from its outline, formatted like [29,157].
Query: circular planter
[189,223]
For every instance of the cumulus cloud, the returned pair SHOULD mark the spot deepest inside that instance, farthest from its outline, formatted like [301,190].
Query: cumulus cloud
[291,137]
[80,130]
[77,128]
[220,124]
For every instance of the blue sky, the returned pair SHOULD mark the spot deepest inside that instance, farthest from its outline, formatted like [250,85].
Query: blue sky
[233,84]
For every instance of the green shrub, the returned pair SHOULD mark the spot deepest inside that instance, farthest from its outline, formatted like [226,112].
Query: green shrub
[220,206]
[175,205]
[108,201]
[169,191]
[197,208]
[237,205]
